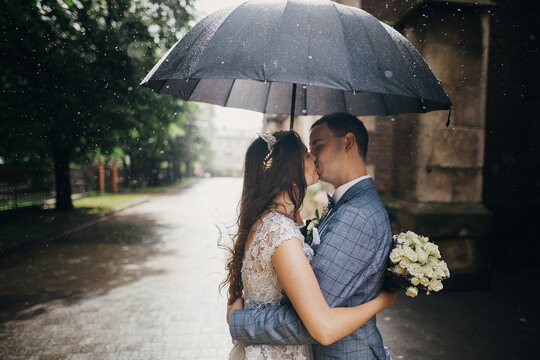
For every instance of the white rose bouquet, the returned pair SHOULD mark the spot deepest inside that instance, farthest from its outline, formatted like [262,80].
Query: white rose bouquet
[416,263]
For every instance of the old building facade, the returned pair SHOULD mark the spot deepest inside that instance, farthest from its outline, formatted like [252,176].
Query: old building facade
[440,176]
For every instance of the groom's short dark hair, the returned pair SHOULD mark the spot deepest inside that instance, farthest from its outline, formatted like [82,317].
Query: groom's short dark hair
[341,123]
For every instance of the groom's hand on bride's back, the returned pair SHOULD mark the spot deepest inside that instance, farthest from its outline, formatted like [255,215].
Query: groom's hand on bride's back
[238,304]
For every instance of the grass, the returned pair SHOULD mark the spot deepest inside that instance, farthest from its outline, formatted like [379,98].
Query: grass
[31,223]
[100,203]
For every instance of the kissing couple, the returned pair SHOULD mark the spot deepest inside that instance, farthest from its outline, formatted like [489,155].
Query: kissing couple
[290,300]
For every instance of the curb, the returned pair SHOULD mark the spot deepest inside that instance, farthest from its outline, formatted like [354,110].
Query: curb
[98,218]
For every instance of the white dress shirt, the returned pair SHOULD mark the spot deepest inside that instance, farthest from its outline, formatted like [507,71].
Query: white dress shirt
[340,191]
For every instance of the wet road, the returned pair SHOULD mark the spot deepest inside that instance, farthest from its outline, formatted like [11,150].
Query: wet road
[141,285]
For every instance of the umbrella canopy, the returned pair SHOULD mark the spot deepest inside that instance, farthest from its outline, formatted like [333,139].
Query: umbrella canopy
[343,59]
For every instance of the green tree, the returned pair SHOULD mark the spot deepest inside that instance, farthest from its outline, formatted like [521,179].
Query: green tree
[70,72]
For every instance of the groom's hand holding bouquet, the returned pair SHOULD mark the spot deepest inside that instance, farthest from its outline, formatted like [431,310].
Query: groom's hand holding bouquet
[415,263]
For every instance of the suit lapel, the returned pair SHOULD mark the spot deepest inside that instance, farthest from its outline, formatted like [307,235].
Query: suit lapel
[354,191]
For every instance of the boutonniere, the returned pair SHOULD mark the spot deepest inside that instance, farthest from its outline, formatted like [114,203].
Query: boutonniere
[311,224]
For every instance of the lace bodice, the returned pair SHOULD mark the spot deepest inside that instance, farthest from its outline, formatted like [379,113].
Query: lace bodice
[261,284]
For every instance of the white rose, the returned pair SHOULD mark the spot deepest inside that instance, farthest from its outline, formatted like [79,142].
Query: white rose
[396,255]
[415,281]
[417,241]
[399,270]
[435,285]
[428,271]
[416,270]
[433,250]
[438,273]
[445,270]
[410,254]
[422,256]
[405,263]
[424,281]
[412,291]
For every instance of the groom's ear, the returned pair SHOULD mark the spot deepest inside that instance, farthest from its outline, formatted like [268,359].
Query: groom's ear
[349,140]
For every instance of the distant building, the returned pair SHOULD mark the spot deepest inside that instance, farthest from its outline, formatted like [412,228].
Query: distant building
[229,148]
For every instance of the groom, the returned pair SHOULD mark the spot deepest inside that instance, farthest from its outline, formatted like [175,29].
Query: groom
[349,262]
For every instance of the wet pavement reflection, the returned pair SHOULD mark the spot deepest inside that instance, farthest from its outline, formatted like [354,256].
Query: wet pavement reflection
[144,285]
[140,285]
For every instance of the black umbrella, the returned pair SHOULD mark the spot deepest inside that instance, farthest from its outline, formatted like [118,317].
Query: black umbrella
[252,56]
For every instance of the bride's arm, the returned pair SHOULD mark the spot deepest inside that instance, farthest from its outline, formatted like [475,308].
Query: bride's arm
[324,323]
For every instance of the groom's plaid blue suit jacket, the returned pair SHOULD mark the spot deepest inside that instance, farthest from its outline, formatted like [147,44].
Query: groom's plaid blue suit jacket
[350,264]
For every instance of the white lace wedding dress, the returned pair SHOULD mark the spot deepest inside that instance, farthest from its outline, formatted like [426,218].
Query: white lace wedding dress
[262,287]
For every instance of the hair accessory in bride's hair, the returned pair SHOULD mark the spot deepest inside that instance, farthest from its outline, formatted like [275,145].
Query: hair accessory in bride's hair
[270,141]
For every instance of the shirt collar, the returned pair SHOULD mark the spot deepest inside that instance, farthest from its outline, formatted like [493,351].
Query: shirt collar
[340,191]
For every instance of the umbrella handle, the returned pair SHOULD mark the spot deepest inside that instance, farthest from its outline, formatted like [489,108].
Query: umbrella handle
[293,104]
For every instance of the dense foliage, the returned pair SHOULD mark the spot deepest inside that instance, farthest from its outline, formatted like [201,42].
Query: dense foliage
[69,75]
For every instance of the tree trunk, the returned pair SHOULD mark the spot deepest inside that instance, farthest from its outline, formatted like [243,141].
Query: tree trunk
[62,176]
[177,174]
[189,172]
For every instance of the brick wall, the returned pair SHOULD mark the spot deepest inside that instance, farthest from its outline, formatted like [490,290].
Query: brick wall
[380,153]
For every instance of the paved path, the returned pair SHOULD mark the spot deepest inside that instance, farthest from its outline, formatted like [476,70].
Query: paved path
[143,285]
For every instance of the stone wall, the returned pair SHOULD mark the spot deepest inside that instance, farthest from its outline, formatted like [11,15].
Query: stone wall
[439,170]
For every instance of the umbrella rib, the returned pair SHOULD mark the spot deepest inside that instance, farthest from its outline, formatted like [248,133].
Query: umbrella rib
[348,51]
[344,100]
[386,112]
[229,93]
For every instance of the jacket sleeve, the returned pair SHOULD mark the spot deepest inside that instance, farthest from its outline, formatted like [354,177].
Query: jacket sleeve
[277,325]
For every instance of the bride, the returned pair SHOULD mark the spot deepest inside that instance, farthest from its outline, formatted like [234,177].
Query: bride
[269,260]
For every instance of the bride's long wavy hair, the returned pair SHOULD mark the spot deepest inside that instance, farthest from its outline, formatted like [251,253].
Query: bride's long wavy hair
[267,174]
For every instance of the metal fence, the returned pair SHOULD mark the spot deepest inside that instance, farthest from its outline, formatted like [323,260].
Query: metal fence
[17,196]
[18,189]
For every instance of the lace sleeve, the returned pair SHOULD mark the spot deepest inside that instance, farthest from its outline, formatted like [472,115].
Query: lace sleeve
[276,230]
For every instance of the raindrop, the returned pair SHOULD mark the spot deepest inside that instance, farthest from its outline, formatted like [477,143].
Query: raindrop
[167,86]
[223,62]
[354,92]
[388,74]
[310,57]
[130,88]
[304,111]
[304,87]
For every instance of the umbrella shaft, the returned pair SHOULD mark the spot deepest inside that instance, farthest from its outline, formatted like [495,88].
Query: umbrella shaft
[293,104]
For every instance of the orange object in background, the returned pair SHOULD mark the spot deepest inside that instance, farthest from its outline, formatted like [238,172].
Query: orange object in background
[101,178]
[114,178]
